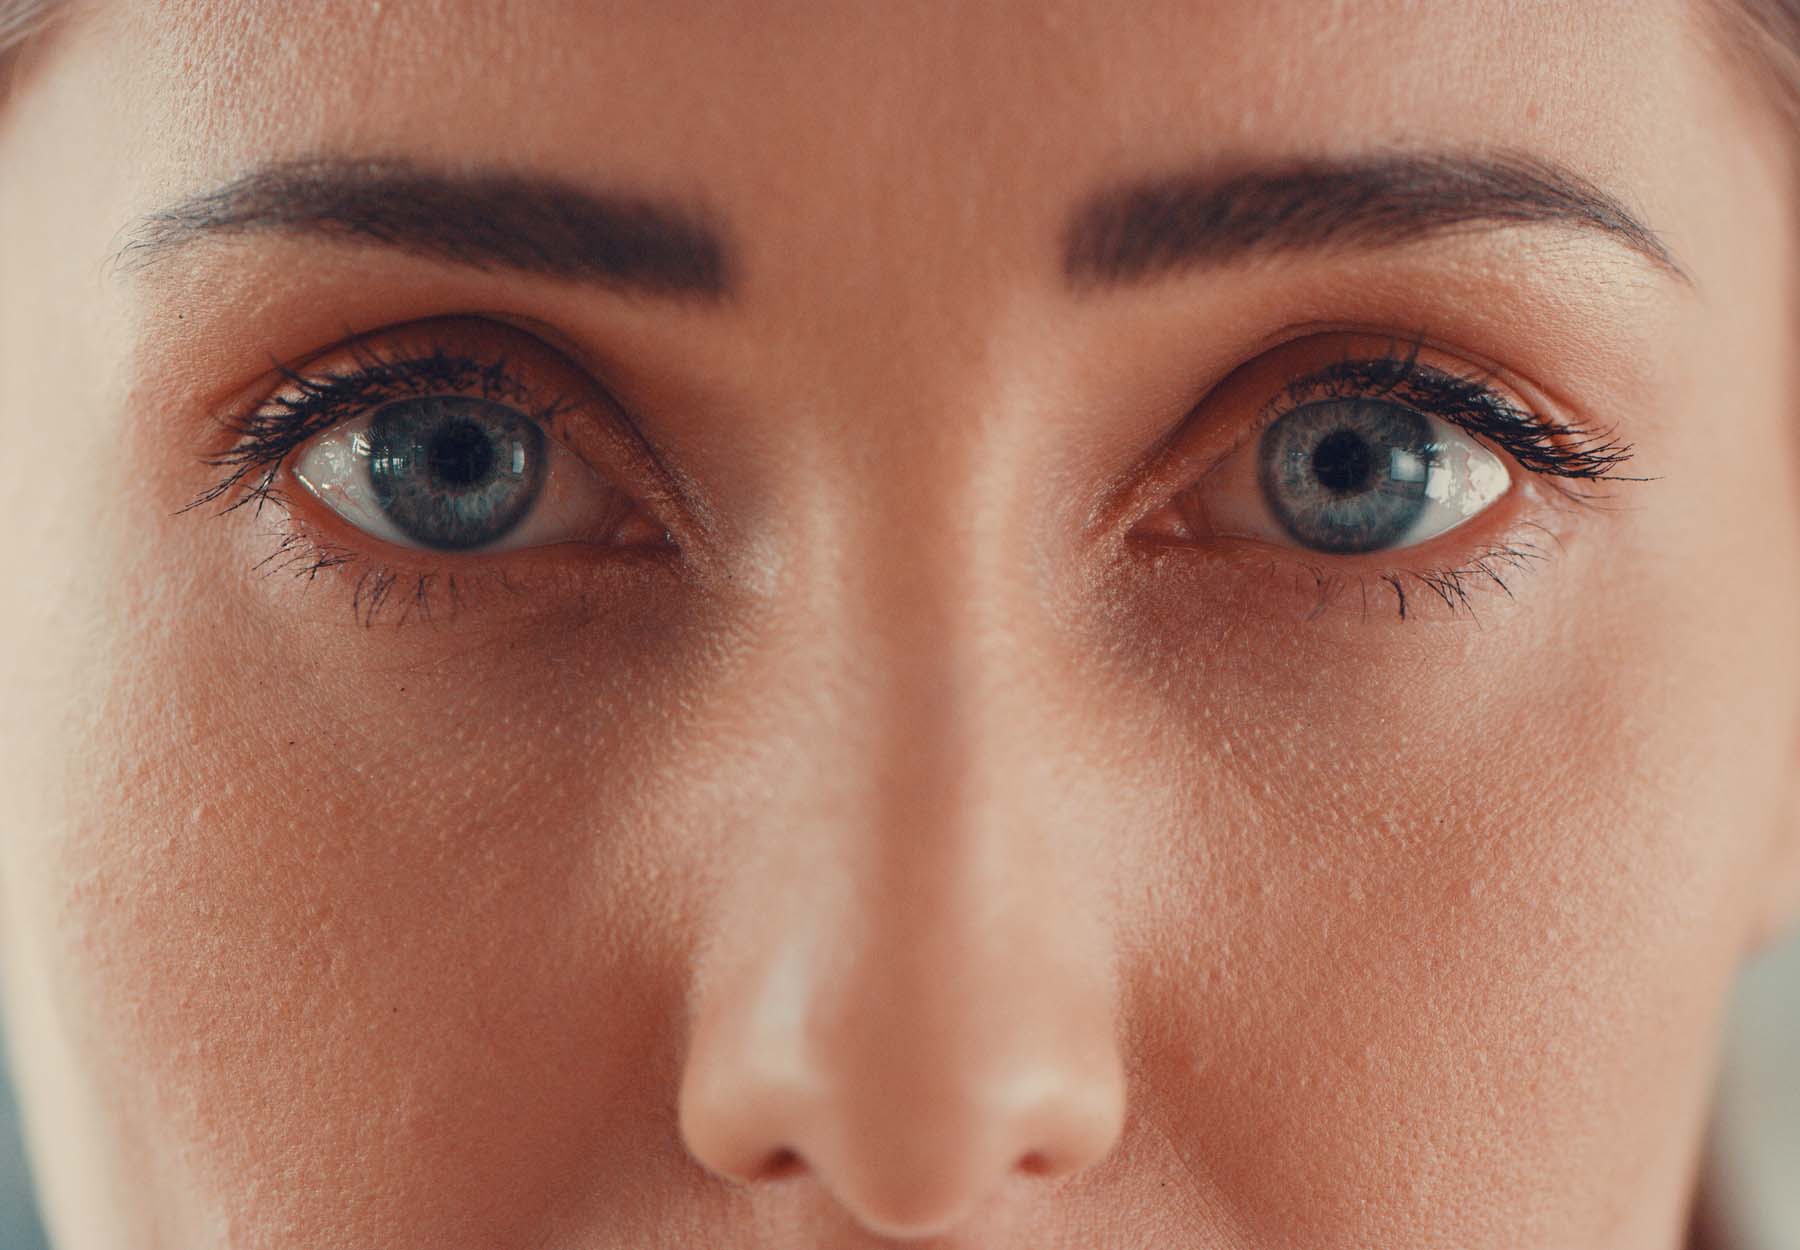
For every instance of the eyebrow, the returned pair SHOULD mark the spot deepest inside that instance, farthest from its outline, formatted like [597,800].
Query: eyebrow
[533,225]
[1162,226]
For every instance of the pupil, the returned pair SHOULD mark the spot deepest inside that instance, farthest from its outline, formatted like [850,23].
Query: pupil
[1341,462]
[460,454]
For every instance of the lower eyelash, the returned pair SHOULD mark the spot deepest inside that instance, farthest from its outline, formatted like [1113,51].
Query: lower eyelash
[410,594]
[376,592]
[267,437]
[304,557]
[1494,569]
[392,593]
[1563,456]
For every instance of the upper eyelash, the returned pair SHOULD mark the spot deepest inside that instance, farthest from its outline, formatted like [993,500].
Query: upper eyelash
[1554,450]
[310,404]
[268,433]
[1558,450]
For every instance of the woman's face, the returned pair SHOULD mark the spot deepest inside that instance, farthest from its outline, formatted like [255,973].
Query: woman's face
[1015,625]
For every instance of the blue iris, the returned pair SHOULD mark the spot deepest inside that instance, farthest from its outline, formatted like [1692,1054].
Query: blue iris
[454,472]
[1348,475]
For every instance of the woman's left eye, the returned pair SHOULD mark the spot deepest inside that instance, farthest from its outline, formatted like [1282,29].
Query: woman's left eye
[455,473]
[1349,476]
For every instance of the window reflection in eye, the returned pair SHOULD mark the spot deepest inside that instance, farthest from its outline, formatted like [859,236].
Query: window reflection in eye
[402,452]
[1349,476]
[1354,454]
[454,473]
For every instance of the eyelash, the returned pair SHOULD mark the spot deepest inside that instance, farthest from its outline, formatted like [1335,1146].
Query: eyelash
[1559,453]
[268,434]
[1554,451]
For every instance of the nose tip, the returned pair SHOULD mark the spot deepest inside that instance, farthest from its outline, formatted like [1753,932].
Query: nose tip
[904,1166]
[908,1132]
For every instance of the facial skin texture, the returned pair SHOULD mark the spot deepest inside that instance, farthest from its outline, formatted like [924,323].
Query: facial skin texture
[1025,882]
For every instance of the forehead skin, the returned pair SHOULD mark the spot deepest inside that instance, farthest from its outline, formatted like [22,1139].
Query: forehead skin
[1411,935]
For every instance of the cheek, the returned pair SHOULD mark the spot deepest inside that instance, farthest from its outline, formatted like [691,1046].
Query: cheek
[382,920]
[1453,907]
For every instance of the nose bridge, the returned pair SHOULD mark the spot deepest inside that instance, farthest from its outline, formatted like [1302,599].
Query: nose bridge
[952,856]
[922,608]
[916,1005]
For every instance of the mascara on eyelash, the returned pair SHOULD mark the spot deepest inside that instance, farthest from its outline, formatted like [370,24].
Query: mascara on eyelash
[310,404]
[1540,447]
[1396,378]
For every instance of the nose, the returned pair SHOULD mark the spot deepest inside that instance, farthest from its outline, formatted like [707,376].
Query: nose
[910,1006]
[932,1044]
[903,988]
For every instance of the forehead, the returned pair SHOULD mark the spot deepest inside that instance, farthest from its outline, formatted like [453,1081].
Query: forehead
[859,113]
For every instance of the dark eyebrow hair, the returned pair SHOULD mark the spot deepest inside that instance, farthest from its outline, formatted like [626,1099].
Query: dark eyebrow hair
[1164,225]
[485,220]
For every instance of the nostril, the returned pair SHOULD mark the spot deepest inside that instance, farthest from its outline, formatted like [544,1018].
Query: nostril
[782,1162]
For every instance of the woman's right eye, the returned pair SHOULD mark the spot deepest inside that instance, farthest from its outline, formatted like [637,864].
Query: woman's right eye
[454,437]
[457,473]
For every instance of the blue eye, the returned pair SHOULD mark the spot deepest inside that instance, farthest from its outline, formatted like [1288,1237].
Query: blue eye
[1351,476]
[454,472]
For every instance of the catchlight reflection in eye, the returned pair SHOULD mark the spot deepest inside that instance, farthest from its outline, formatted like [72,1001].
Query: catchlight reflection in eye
[1350,476]
[452,473]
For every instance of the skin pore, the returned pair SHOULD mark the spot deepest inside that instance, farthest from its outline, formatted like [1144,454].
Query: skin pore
[909,791]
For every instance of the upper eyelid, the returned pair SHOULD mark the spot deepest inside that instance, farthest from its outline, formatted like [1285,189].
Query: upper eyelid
[1535,440]
[554,381]
[469,352]
[1176,465]
[267,432]
[1403,368]
[377,373]
[1311,388]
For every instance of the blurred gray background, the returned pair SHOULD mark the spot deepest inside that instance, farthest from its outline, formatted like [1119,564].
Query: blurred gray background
[19,1228]
[1757,1136]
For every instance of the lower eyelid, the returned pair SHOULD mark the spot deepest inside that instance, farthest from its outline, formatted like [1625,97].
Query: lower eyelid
[306,564]
[1473,573]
